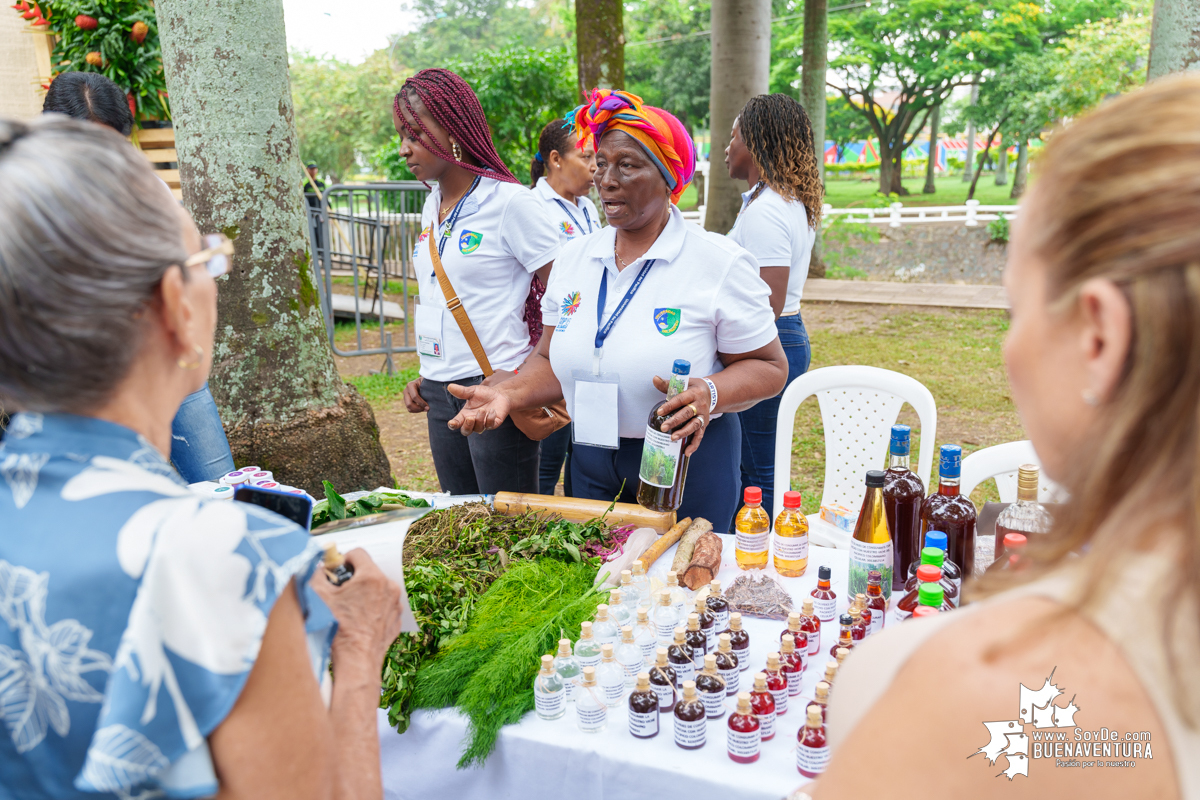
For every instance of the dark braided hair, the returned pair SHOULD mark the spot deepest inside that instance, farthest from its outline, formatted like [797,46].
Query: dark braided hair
[453,103]
[779,136]
[555,136]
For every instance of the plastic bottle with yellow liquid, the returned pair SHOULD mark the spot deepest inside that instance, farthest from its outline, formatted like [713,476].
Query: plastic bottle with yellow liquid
[791,538]
[753,528]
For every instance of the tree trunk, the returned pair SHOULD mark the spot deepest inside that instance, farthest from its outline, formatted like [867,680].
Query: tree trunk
[1019,171]
[970,155]
[812,95]
[987,147]
[931,160]
[741,65]
[600,43]
[274,379]
[1174,38]
[1002,165]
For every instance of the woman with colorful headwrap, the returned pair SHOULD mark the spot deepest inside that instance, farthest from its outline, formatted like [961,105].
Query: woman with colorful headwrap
[626,302]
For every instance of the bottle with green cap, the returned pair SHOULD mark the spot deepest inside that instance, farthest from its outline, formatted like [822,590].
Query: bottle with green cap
[950,570]
[935,556]
[929,588]
[950,512]
[664,466]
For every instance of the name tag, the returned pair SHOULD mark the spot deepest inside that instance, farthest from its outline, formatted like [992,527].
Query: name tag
[427,325]
[594,417]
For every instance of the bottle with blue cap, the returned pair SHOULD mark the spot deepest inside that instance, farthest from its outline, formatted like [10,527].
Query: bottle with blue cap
[950,512]
[663,469]
[934,553]
[903,494]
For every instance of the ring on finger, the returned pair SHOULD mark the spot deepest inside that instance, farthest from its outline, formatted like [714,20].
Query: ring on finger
[695,411]
[700,419]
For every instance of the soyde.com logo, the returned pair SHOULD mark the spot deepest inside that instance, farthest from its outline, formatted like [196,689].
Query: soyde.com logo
[1055,735]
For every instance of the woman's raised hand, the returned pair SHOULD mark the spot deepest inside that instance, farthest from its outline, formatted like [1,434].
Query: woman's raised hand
[690,409]
[486,408]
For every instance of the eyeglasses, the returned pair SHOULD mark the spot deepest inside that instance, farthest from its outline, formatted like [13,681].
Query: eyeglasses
[215,255]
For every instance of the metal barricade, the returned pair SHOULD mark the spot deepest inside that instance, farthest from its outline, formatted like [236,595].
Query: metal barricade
[364,236]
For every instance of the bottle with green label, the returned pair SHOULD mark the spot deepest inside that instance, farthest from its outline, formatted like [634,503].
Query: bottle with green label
[871,547]
[664,466]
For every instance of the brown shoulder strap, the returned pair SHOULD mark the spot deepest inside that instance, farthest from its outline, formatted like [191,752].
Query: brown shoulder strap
[456,307]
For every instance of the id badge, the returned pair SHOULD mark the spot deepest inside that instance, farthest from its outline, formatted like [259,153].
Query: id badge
[594,417]
[427,325]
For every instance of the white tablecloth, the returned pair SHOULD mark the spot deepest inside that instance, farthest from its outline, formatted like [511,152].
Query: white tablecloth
[537,759]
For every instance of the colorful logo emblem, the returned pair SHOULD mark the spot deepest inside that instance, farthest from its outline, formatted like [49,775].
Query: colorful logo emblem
[420,241]
[567,228]
[570,305]
[667,320]
[469,241]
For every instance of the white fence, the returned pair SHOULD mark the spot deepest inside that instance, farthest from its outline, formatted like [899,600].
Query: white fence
[896,215]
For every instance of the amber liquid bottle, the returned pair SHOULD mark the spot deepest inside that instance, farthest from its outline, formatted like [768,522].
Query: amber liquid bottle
[871,547]
[950,512]
[903,494]
[663,470]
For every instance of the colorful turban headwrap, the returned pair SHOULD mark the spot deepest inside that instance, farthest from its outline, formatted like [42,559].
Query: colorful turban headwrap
[660,134]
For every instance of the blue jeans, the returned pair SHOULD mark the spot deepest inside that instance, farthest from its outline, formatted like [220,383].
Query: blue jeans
[556,448]
[199,449]
[758,423]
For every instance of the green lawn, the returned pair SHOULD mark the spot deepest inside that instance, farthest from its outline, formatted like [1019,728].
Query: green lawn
[951,191]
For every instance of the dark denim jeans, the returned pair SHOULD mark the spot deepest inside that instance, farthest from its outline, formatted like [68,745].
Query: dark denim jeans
[758,423]
[199,449]
[556,449]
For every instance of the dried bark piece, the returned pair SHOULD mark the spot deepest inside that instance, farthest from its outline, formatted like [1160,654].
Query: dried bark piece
[706,562]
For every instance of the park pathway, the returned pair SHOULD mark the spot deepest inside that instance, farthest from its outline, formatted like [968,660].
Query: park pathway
[947,295]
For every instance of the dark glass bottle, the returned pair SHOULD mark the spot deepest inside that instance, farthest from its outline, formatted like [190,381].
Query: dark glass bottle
[903,494]
[663,469]
[845,635]
[643,709]
[739,641]
[679,656]
[690,719]
[727,664]
[719,607]
[950,512]
[935,557]
[662,681]
[708,624]
[950,570]
[711,688]
[695,639]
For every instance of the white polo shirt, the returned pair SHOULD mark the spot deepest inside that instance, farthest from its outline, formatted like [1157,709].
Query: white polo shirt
[572,221]
[702,296]
[776,231]
[501,237]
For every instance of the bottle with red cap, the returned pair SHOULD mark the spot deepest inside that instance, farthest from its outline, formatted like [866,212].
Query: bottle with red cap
[937,557]
[1013,553]
[753,528]
[791,538]
[926,574]
[926,611]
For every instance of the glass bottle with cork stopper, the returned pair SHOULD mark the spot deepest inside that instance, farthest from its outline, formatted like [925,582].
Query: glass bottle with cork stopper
[641,583]
[858,626]
[611,677]
[644,635]
[831,669]
[629,656]
[821,697]
[681,598]
[690,719]
[812,752]
[336,568]
[727,664]
[695,639]
[620,614]
[662,472]
[587,649]
[711,688]
[679,656]
[903,494]
[845,635]
[824,598]
[591,712]
[762,702]
[935,556]
[791,538]
[549,691]
[663,680]
[753,527]
[643,709]
[629,595]
[708,624]
[790,661]
[777,684]
[875,601]
[569,668]
[950,512]
[841,656]
[811,625]
[604,629]
[719,607]
[666,619]
[739,641]
[744,737]
[871,547]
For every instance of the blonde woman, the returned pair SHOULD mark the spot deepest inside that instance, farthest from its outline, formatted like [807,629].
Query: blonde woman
[1103,358]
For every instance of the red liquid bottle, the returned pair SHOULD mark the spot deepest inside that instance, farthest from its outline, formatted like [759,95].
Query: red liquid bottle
[950,570]
[812,752]
[903,495]
[795,629]
[708,624]
[926,573]
[745,732]
[824,599]
[1014,551]
[643,709]
[792,664]
[822,698]
[811,625]
[951,513]
[777,684]
[858,631]
[875,601]
[845,635]
[936,557]
[762,702]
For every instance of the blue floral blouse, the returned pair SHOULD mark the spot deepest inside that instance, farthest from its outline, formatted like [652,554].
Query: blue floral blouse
[132,611]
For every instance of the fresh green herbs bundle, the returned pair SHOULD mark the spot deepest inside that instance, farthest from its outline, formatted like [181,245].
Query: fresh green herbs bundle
[335,507]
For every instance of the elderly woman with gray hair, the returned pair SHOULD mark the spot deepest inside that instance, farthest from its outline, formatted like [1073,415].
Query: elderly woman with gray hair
[151,640]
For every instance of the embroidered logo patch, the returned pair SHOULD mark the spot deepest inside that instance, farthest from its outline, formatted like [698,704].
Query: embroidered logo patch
[469,241]
[570,305]
[567,228]
[420,241]
[667,320]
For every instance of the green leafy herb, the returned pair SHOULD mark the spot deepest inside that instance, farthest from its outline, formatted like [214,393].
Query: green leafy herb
[335,507]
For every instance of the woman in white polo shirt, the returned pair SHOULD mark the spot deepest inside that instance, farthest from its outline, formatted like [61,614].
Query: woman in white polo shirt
[626,302]
[492,236]
[772,150]
[562,177]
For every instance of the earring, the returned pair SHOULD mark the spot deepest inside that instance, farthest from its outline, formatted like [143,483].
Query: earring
[1090,398]
[199,356]
[456,150]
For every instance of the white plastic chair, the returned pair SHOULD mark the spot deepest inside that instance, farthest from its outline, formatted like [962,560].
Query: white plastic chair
[859,406]
[1002,462]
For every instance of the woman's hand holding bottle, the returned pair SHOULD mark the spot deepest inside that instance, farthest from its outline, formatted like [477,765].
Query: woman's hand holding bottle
[688,412]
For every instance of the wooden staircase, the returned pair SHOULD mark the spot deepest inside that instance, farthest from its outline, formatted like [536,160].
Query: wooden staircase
[158,145]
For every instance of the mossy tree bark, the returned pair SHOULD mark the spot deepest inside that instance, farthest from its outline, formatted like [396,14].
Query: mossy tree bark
[600,44]
[813,65]
[931,160]
[1020,171]
[283,404]
[1174,38]
[741,67]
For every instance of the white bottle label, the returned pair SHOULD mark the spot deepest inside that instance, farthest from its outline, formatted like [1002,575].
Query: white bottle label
[659,458]
[710,637]
[588,661]
[698,658]
[714,704]
[814,639]
[753,542]
[766,725]
[684,672]
[603,640]
[690,733]
[666,695]
[632,668]
[791,548]
[721,621]
[665,633]
[825,608]
[877,617]
[743,657]
[745,744]
[643,725]
[865,557]
[548,704]
[613,692]
[648,648]
[811,761]
[732,678]
[794,679]
[781,701]
[591,715]
[572,687]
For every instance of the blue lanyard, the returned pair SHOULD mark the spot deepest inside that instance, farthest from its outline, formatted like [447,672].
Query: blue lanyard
[586,215]
[602,331]
[451,220]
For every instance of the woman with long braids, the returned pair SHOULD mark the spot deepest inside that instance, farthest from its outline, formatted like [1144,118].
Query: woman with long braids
[772,150]
[491,236]
[562,177]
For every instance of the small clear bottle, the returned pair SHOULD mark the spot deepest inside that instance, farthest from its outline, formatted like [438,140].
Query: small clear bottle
[777,684]
[763,704]
[696,640]
[666,619]
[549,691]
[630,596]
[618,611]
[591,713]
[812,752]
[727,664]
[811,625]
[711,688]
[708,624]
[691,719]
[643,709]
[569,668]
[611,677]
[681,597]
[663,680]
[679,655]
[753,527]
[587,649]
[641,584]
[790,661]
[739,641]
[824,598]
[603,628]
[719,607]
[845,635]
[629,656]
[791,538]
[644,636]
[744,737]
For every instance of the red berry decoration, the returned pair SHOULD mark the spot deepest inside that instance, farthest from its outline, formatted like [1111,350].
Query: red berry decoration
[138,34]
[95,59]
[86,23]
[132,104]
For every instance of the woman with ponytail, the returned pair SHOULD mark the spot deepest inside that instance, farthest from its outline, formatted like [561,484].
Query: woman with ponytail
[491,236]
